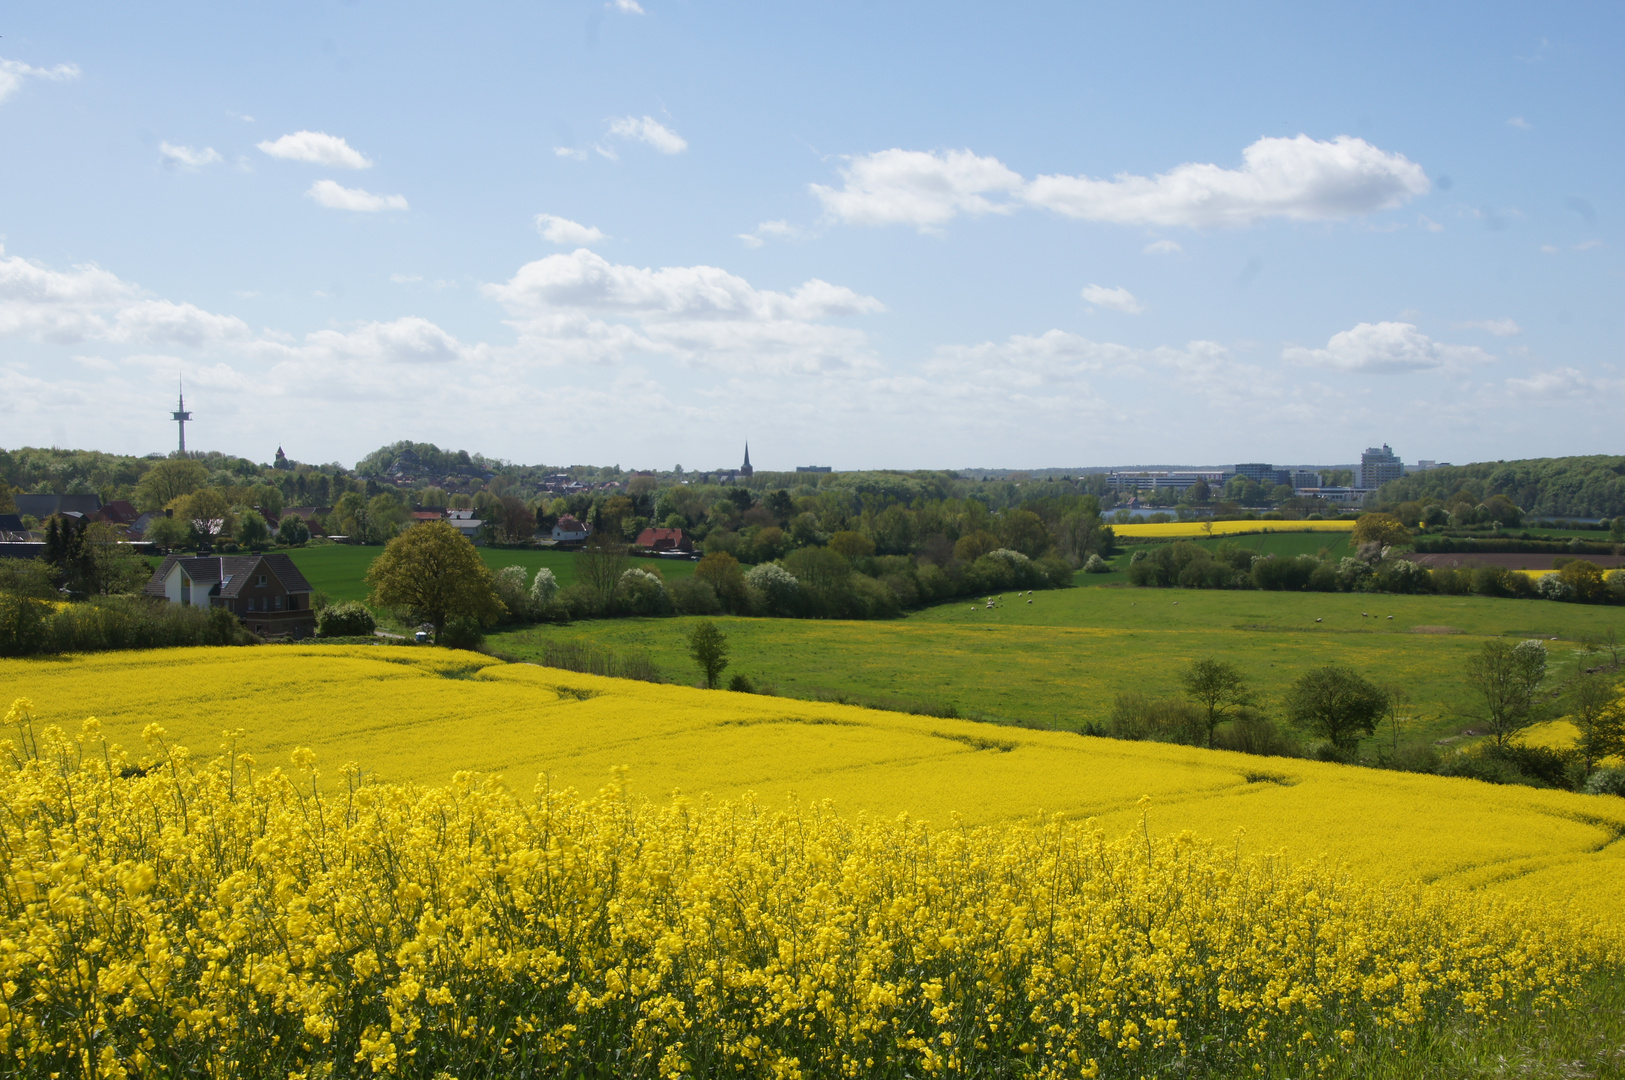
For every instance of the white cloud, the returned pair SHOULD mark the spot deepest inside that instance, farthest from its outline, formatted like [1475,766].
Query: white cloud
[1564,382]
[1384,348]
[630,7]
[1297,178]
[13,72]
[1588,245]
[406,279]
[647,130]
[605,152]
[557,230]
[778,230]
[580,306]
[1549,249]
[88,303]
[188,158]
[568,152]
[1162,247]
[1428,223]
[336,197]
[1520,123]
[318,148]
[913,187]
[1118,299]
[1498,327]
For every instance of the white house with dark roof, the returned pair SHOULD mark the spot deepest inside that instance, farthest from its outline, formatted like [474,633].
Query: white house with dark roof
[266,592]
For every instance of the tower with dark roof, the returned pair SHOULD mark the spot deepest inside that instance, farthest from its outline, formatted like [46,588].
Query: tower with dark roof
[745,469]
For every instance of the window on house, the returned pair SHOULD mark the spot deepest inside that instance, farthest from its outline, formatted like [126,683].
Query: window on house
[262,581]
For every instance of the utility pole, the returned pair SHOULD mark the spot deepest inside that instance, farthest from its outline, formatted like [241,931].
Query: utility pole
[181,416]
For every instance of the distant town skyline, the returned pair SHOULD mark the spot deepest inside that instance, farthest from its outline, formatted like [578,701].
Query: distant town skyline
[900,236]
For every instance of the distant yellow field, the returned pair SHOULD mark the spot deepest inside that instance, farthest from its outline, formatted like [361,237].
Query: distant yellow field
[422,715]
[1178,530]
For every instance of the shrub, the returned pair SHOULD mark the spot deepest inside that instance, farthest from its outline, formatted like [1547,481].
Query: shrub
[691,596]
[463,632]
[777,584]
[292,531]
[1096,565]
[1252,733]
[1606,782]
[741,684]
[1553,587]
[1138,717]
[512,586]
[544,589]
[593,659]
[348,619]
[580,601]
[640,592]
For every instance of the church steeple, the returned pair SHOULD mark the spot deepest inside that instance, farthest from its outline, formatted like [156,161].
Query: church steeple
[745,469]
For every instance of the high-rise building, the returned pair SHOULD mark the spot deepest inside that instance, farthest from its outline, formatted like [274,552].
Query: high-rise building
[1377,467]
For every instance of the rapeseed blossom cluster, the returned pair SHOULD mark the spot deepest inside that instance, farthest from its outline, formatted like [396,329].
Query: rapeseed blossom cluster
[160,915]
[1174,530]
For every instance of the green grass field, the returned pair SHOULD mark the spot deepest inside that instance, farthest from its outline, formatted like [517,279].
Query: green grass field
[1061,659]
[340,570]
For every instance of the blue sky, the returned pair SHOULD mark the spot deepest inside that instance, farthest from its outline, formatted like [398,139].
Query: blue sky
[863,235]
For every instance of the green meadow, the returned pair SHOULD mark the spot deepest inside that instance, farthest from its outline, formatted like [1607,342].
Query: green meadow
[340,570]
[1061,659]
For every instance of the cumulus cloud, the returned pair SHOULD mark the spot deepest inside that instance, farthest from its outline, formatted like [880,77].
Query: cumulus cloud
[1299,178]
[1498,327]
[337,197]
[570,152]
[1163,247]
[1118,299]
[13,72]
[1520,123]
[914,187]
[88,303]
[1384,348]
[630,7]
[581,306]
[557,230]
[186,157]
[318,148]
[647,130]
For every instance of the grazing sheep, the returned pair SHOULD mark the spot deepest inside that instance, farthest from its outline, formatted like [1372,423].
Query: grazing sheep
[1390,618]
[1317,620]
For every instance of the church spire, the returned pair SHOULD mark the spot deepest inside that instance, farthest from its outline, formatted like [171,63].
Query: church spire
[745,469]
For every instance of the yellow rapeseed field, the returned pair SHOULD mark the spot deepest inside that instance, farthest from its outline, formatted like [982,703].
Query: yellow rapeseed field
[1182,530]
[807,889]
[226,919]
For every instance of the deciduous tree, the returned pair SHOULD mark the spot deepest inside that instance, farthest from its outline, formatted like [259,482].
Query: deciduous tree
[1597,708]
[169,480]
[434,572]
[1384,529]
[1218,688]
[602,561]
[709,647]
[1505,677]
[1336,703]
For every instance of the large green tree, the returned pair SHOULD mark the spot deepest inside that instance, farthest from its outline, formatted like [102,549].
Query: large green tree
[433,572]
[169,480]
[1218,688]
[1336,703]
[1597,708]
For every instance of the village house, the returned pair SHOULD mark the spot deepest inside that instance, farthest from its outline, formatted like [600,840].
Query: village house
[266,592]
[568,530]
[664,540]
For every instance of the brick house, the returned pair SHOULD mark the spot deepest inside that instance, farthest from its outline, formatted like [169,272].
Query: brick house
[664,540]
[267,593]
